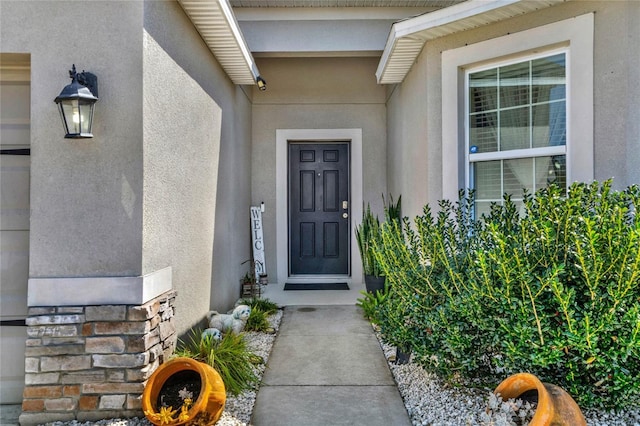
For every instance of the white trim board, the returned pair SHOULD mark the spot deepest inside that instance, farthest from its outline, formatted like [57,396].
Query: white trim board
[85,291]
[283,136]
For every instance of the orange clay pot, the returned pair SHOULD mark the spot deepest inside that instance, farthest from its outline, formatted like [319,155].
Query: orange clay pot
[208,406]
[555,406]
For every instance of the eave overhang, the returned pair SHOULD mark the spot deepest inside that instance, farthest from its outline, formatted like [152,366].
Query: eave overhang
[407,38]
[217,25]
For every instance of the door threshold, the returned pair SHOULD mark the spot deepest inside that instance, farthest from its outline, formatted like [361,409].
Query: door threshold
[318,280]
[276,293]
[316,286]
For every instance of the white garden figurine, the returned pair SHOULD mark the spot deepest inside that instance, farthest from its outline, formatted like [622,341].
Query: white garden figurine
[212,333]
[233,322]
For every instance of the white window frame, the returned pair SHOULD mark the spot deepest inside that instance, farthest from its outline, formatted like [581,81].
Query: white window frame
[546,151]
[574,35]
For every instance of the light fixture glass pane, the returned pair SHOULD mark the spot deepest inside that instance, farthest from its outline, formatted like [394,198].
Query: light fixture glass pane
[487,180]
[72,115]
[62,117]
[86,115]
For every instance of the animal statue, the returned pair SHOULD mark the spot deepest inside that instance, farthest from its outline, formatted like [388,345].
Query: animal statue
[233,322]
[212,333]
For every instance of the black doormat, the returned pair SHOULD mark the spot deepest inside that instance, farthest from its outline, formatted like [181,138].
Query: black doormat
[316,286]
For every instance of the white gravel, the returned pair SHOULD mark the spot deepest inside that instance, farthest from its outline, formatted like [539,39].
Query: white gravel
[428,400]
[237,410]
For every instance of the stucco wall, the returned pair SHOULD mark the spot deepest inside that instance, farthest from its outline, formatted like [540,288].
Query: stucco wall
[165,182]
[617,92]
[196,151]
[86,194]
[232,242]
[415,106]
[316,93]
[412,161]
[179,179]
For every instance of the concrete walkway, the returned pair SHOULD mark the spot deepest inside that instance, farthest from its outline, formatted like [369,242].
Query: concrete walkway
[9,414]
[327,368]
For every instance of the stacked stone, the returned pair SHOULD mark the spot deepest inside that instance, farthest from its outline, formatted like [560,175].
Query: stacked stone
[91,362]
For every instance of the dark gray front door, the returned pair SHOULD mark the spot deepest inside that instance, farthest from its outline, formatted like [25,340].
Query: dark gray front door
[319,208]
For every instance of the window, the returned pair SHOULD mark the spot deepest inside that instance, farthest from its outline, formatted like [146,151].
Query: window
[517,111]
[516,128]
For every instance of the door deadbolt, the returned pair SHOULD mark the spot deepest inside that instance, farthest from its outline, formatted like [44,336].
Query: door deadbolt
[345,215]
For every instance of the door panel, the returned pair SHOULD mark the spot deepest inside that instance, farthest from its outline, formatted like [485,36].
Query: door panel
[307,191]
[332,239]
[318,204]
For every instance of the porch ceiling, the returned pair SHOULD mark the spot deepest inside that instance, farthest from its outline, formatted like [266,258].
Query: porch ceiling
[407,37]
[217,25]
[344,3]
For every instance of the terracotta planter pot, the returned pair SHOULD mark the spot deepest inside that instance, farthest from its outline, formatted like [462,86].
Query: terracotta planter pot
[208,404]
[555,406]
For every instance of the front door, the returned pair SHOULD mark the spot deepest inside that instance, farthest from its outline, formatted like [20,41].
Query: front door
[319,208]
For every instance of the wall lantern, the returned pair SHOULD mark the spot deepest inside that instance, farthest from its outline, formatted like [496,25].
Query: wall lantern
[76,102]
[262,85]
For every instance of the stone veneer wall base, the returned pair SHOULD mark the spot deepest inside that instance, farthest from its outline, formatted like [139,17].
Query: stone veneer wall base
[91,362]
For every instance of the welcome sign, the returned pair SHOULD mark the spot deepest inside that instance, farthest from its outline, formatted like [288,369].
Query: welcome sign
[257,242]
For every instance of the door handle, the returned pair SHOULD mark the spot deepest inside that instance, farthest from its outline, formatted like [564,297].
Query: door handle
[345,215]
[345,205]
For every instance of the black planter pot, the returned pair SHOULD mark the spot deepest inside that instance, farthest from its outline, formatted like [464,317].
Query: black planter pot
[373,283]
[402,355]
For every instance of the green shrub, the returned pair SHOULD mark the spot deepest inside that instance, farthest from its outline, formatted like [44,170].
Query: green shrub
[260,310]
[392,209]
[230,357]
[554,291]
[371,303]
[265,305]
[257,321]
[367,233]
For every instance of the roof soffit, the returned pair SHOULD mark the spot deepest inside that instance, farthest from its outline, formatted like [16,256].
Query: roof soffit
[217,25]
[407,38]
[342,3]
